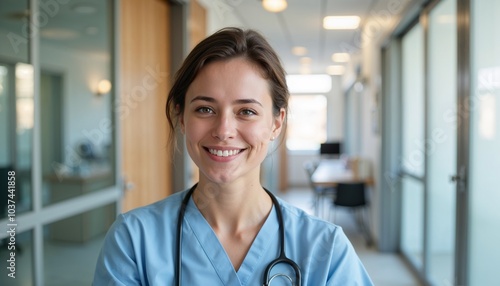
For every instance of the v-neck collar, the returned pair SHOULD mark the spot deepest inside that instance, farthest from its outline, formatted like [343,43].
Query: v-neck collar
[215,252]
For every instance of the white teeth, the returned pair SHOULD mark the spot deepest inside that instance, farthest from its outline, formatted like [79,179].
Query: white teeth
[224,153]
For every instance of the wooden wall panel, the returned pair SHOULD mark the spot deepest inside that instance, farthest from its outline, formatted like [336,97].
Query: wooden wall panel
[145,66]
[197,32]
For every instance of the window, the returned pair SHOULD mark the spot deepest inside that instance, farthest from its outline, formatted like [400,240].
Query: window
[306,122]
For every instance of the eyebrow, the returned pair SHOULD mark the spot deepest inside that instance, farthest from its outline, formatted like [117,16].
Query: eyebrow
[238,101]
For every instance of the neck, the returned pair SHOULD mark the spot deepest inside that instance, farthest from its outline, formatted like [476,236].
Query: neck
[234,207]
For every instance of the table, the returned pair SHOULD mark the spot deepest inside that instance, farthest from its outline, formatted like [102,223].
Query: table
[330,172]
[90,224]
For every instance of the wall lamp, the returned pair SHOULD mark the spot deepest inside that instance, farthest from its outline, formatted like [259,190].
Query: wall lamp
[103,87]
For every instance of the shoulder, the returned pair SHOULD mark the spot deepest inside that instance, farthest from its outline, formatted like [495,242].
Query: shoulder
[304,229]
[293,215]
[325,253]
[163,209]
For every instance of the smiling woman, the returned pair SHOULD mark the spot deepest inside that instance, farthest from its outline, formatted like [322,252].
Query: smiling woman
[230,101]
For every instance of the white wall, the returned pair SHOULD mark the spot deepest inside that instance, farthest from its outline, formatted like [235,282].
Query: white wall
[377,28]
[84,114]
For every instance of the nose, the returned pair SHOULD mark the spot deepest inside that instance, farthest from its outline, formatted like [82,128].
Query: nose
[224,127]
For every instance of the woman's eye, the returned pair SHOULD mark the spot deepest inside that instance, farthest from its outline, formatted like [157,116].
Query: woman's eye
[204,110]
[247,112]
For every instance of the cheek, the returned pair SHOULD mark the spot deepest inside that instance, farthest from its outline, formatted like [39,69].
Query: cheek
[259,134]
[192,130]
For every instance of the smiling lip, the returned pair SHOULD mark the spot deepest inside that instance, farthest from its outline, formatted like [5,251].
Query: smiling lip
[223,151]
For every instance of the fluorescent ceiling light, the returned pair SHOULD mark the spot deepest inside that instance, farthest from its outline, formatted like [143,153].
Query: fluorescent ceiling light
[274,5]
[341,22]
[341,57]
[335,70]
[305,60]
[299,51]
[310,83]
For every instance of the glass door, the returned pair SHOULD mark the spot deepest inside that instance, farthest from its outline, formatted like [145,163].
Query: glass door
[484,108]
[57,139]
[441,141]
[413,155]
[429,143]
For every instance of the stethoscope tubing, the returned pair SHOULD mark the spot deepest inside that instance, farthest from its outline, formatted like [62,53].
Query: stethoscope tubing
[282,258]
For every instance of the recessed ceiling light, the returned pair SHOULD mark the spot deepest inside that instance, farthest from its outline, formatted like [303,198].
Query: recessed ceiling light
[299,51]
[305,69]
[305,60]
[341,22]
[274,6]
[335,70]
[340,57]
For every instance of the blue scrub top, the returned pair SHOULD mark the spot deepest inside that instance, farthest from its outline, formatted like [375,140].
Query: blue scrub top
[140,249]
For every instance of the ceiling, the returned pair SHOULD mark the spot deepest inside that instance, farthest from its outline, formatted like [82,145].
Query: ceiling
[301,24]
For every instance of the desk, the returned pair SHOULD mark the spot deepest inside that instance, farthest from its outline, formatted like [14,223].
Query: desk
[85,226]
[330,172]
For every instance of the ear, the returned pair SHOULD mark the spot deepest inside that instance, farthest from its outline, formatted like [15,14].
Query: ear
[181,118]
[278,124]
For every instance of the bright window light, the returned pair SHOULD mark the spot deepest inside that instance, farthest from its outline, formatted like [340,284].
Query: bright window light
[309,83]
[306,128]
[341,22]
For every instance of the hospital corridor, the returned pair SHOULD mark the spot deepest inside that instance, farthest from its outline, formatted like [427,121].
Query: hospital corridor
[379,116]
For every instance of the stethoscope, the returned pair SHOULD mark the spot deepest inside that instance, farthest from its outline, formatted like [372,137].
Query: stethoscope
[281,258]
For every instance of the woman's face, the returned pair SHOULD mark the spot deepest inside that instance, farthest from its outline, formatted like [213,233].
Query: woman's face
[228,121]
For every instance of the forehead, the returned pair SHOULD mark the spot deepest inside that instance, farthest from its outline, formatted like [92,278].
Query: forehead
[236,77]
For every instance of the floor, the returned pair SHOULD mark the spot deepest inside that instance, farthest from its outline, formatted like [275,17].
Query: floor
[73,264]
[385,269]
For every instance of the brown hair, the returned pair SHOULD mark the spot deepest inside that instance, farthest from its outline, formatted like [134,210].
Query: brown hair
[226,44]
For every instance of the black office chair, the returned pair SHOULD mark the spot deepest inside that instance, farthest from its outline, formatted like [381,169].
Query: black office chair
[319,192]
[353,195]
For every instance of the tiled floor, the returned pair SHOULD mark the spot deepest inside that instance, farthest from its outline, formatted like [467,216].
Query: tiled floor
[385,269]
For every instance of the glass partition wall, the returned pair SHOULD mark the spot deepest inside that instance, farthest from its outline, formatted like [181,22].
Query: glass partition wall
[57,139]
[413,162]
[484,168]
[450,154]
[429,143]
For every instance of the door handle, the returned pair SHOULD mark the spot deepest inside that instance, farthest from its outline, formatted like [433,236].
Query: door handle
[127,185]
[460,179]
